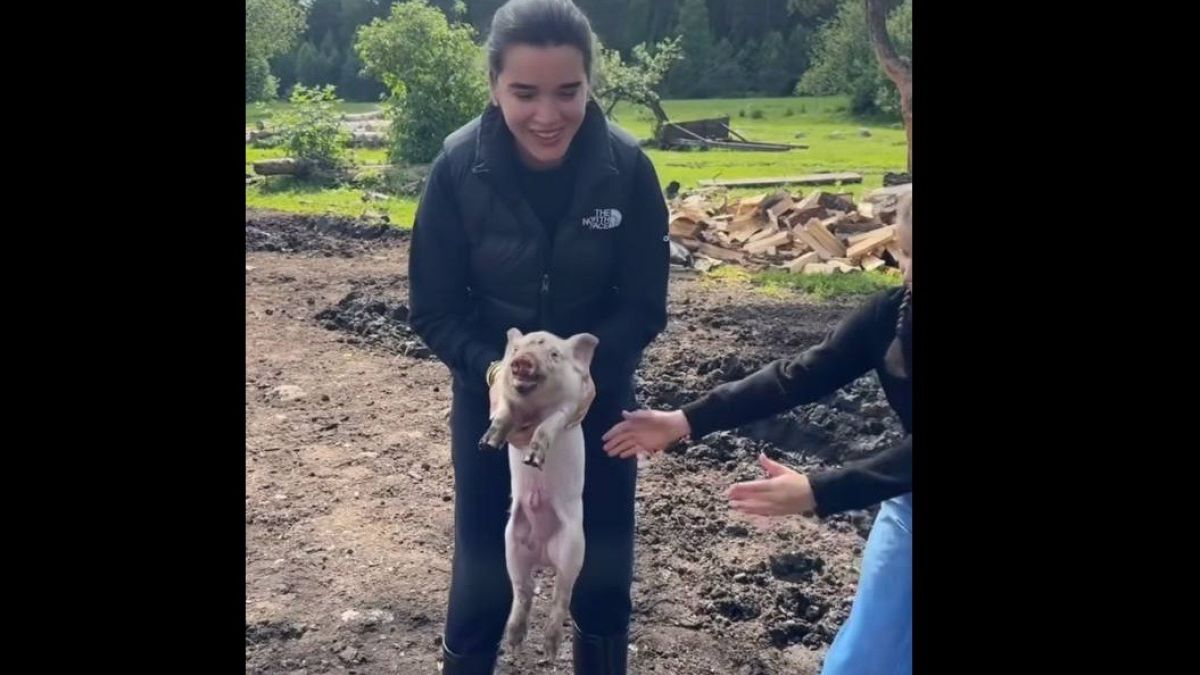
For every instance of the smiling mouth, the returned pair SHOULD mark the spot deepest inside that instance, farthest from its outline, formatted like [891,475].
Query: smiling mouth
[547,136]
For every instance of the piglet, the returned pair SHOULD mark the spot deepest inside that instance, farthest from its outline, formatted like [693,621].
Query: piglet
[544,384]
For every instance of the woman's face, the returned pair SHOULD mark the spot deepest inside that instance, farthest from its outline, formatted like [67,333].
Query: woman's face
[542,93]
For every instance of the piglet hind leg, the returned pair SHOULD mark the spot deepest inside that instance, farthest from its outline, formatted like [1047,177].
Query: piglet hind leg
[565,550]
[520,558]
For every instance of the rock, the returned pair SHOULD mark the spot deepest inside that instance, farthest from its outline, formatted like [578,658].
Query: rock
[349,654]
[362,620]
[288,392]
[865,133]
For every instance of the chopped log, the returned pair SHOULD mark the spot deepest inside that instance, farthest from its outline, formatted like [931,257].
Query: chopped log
[684,227]
[763,234]
[802,235]
[741,229]
[772,241]
[837,202]
[809,207]
[795,266]
[830,243]
[840,265]
[812,179]
[878,239]
[720,253]
[870,262]
[779,207]
[692,245]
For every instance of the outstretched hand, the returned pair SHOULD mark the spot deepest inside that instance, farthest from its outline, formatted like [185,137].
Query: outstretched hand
[783,492]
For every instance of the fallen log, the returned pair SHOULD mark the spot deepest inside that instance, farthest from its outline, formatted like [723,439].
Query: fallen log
[283,166]
[812,179]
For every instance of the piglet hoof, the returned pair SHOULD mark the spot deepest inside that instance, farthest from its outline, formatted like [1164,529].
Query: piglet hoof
[535,459]
[485,444]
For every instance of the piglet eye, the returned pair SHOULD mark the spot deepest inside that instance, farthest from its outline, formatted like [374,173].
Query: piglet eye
[554,354]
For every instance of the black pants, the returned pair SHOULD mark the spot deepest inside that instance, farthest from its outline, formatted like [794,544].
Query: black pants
[480,590]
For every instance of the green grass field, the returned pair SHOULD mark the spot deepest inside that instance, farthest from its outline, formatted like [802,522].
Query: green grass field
[822,123]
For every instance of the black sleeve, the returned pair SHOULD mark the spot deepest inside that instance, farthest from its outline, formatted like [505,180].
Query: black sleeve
[643,263]
[862,484]
[846,354]
[439,277]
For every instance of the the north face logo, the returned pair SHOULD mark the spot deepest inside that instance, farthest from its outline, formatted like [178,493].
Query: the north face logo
[604,219]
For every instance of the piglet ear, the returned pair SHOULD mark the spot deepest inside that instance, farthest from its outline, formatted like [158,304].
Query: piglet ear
[514,334]
[583,347]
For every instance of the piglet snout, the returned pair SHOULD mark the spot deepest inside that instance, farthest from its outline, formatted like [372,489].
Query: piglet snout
[523,367]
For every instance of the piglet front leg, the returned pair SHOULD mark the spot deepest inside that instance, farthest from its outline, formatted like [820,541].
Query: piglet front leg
[543,438]
[502,424]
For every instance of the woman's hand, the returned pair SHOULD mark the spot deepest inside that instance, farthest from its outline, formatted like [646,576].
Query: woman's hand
[783,492]
[645,432]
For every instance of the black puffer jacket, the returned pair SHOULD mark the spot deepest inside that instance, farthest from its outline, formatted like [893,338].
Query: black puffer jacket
[481,261]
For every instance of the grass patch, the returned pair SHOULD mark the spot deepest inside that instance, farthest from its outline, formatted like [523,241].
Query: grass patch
[813,117]
[283,193]
[828,286]
[780,283]
[254,113]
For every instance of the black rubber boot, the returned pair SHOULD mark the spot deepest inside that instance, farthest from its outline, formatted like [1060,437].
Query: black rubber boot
[475,664]
[599,655]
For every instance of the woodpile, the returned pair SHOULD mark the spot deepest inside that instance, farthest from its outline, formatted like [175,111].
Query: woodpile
[818,233]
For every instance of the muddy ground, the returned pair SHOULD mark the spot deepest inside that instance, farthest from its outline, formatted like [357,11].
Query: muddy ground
[349,483]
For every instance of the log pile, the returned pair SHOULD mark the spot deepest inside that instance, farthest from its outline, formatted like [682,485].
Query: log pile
[818,233]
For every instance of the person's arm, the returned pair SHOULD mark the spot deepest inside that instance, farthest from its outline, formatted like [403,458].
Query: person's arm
[438,278]
[855,486]
[845,354]
[643,260]
[859,485]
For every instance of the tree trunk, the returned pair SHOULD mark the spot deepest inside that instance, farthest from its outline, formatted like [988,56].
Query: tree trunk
[897,69]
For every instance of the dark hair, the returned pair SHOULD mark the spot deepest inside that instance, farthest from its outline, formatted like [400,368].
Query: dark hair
[539,23]
[900,351]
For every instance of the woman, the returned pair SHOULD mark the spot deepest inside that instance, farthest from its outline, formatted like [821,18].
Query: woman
[539,215]
[877,637]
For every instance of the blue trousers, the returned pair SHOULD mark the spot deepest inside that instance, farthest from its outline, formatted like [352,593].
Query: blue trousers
[877,637]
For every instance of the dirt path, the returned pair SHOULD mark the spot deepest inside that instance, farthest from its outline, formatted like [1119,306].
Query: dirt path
[349,484]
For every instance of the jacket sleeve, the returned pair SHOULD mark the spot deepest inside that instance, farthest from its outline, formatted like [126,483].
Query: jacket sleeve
[643,268]
[862,484]
[439,279]
[843,356]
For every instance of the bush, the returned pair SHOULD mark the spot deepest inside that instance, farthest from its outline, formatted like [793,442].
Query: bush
[757,114]
[433,71]
[311,128]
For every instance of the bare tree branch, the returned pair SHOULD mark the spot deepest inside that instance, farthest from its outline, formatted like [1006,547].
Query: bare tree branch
[898,70]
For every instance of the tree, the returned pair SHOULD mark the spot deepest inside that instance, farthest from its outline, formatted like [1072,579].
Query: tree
[690,79]
[728,77]
[772,77]
[433,71]
[897,68]
[845,63]
[638,81]
[272,27]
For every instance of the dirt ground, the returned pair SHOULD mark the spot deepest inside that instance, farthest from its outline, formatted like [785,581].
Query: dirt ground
[349,483]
